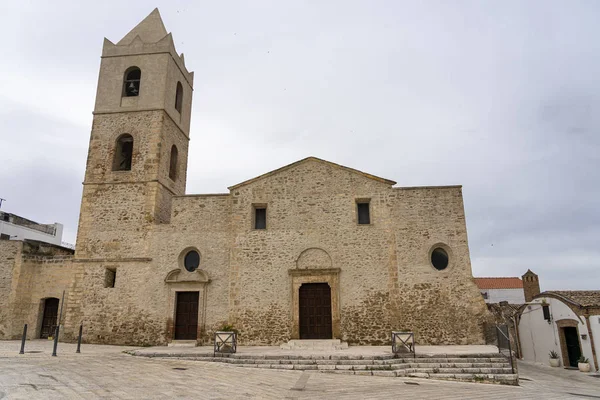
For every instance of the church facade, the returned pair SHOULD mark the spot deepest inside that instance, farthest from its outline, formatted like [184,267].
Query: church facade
[312,250]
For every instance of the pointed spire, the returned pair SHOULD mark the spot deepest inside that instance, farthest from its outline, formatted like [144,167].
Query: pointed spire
[150,30]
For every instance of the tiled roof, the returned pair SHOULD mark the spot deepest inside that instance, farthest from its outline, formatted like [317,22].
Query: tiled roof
[499,283]
[585,298]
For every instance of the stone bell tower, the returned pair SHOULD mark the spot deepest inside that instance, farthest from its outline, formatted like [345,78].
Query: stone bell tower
[138,150]
[531,285]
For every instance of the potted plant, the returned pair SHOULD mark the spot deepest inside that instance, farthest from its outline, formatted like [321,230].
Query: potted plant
[584,364]
[226,340]
[554,360]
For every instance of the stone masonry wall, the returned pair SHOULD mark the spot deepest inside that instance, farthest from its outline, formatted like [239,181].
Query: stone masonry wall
[10,253]
[119,207]
[40,271]
[442,307]
[199,222]
[386,279]
[140,308]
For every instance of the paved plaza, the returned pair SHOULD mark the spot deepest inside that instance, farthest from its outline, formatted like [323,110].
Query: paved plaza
[107,372]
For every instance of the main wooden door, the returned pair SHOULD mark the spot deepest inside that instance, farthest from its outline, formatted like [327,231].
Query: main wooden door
[186,316]
[572,342]
[49,318]
[315,311]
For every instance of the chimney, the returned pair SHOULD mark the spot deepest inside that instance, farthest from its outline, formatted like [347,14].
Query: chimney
[531,285]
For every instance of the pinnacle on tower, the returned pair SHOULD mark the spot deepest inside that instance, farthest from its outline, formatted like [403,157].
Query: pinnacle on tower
[150,30]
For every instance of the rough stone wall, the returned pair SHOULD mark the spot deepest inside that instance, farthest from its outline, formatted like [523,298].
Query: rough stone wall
[199,222]
[441,307]
[312,205]
[131,312]
[39,271]
[10,252]
[386,280]
[119,207]
[140,308]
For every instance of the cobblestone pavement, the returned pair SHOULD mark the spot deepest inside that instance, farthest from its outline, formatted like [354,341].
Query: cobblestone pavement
[105,372]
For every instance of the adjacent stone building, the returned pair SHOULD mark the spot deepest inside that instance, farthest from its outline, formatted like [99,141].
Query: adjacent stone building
[311,250]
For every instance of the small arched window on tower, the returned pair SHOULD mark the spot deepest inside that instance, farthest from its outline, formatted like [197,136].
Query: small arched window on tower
[179,97]
[173,163]
[131,83]
[123,153]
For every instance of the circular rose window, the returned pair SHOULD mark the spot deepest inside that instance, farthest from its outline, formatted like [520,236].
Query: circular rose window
[439,258]
[191,261]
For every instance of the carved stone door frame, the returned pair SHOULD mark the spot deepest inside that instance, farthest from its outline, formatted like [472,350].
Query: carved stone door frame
[331,276]
[178,281]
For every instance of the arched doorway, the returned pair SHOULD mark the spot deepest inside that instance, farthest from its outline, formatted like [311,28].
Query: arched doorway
[50,317]
[315,311]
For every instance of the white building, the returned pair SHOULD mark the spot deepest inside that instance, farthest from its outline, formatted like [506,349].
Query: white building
[567,322]
[495,290]
[14,227]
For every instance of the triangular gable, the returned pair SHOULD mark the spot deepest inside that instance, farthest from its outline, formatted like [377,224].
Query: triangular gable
[150,30]
[355,171]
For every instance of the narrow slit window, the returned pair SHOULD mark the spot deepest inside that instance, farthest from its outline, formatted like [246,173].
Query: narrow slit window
[131,83]
[364,217]
[260,218]
[173,163]
[546,311]
[110,277]
[123,153]
[179,97]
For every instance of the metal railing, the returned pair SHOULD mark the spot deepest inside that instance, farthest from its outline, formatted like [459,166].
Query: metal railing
[504,345]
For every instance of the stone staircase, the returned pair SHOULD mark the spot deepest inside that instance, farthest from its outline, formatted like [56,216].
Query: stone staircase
[319,344]
[490,368]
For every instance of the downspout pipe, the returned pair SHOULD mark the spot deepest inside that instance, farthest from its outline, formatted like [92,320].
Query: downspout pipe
[589,328]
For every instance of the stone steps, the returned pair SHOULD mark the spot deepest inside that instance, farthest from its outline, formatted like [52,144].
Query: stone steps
[385,364]
[326,344]
[475,368]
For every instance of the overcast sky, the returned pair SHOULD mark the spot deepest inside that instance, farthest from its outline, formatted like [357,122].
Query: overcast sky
[502,97]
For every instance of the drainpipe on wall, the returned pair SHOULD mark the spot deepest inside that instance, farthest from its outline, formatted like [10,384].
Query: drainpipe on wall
[591,335]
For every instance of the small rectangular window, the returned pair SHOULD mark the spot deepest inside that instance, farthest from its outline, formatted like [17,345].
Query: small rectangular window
[4,236]
[260,217]
[364,217]
[110,276]
[485,295]
[546,311]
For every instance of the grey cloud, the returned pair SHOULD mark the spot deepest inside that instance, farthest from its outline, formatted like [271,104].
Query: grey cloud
[500,97]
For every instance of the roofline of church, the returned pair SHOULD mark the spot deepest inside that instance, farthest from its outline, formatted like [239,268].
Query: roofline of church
[312,158]
[428,187]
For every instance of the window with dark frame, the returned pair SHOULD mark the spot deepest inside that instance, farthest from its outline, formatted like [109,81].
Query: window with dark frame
[485,295]
[364,217]
[110,277]
[4,236]
[546,311]
[260,217]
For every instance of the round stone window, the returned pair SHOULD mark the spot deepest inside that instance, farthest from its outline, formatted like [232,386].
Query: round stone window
[439,258]
[191,261]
